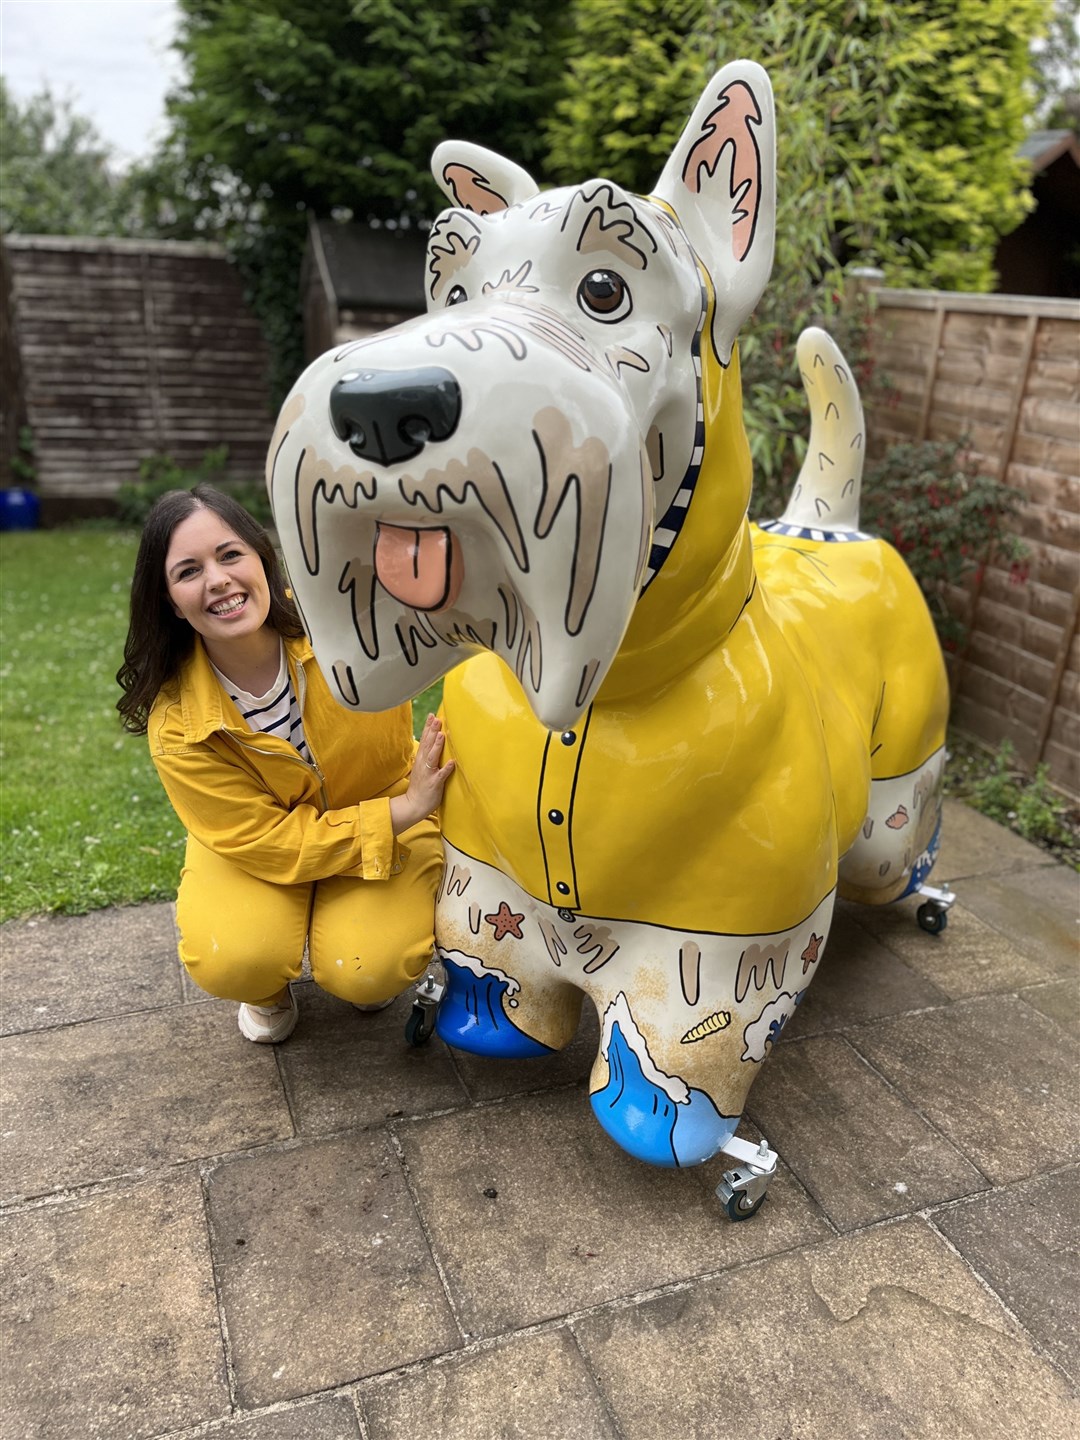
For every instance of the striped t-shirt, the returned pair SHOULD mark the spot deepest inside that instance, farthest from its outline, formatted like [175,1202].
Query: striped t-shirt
[275,713]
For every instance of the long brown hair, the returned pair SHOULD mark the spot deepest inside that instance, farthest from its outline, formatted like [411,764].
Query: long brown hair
[158,640]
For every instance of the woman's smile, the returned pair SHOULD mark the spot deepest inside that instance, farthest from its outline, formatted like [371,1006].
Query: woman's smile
[230,606]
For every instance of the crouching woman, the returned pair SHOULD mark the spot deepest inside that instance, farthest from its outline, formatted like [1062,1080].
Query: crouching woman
[307,824]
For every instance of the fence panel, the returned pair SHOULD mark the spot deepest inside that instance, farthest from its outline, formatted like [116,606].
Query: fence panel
[1004,371]
[125,348]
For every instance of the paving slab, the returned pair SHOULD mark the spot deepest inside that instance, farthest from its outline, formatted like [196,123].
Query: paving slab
[111,1328]
[970,957]
[57,969]
[1026,1242]
[973,844]
[859,979]
[993,1075]
[333,1418]
[343,1067]
[110,1097]
[532,1388]
[1037,908]
[854,1142]
[1060,999]
[885,1334]
[323,1269]
[533,1212]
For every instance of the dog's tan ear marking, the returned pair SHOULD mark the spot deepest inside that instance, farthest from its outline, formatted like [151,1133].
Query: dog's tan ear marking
[471,190]
[720,180]
[733,122]
[479,180]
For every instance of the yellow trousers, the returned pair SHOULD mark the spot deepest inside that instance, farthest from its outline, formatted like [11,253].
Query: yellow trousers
[243,939]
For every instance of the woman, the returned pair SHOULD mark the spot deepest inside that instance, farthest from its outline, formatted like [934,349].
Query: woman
[307,823]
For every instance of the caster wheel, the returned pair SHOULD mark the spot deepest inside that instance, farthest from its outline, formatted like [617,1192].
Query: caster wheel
[932,919]
[740,1208]
[420,1025]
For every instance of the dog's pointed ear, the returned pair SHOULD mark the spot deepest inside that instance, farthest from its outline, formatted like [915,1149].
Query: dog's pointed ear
[721,182]
[479,180]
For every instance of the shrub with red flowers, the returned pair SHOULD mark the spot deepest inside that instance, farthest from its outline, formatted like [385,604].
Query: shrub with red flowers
[948,520]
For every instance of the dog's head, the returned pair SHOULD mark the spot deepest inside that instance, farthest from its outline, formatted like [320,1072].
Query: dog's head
[491,475]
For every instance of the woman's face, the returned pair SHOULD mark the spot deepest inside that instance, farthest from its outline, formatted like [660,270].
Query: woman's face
[215,580]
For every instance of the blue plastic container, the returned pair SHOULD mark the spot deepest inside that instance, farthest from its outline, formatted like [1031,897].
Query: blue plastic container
[18,510]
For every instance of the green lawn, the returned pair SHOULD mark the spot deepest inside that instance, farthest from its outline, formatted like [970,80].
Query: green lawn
[84,821]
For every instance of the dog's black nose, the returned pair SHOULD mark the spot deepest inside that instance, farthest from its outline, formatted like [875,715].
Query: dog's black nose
[390,415]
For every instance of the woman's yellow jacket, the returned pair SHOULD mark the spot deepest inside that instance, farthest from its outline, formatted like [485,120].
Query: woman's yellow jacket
[251,799]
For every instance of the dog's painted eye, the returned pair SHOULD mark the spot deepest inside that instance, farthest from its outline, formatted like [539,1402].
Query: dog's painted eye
[457,296]
[605,295]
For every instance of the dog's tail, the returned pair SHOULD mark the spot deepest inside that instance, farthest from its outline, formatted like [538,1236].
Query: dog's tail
[826,494]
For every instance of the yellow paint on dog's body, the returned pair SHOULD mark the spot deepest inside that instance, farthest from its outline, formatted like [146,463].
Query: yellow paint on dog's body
[736,733]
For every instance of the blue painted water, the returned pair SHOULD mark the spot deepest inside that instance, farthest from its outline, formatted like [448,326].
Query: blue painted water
[472,1017]
[644,1120]
[925,863]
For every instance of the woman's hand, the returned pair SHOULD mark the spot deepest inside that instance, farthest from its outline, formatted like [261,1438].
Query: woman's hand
[426,781]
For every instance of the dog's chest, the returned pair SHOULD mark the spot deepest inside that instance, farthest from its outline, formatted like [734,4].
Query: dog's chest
[662,813]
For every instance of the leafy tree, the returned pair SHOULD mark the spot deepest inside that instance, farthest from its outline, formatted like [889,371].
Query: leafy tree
[904,145]
[296,105]
[898,123]
[57,177]
[930,105]
[1056,61]
[635,70]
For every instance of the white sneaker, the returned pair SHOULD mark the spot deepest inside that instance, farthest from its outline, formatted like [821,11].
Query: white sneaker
[381,1005]
[269,1024]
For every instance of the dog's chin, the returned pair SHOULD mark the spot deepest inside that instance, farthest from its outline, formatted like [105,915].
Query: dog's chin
[524,625]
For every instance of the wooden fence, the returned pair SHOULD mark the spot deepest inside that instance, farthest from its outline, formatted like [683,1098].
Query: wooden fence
[1003,370]
[120,348]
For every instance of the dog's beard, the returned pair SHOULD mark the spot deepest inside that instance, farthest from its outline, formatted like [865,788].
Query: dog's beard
[543,558]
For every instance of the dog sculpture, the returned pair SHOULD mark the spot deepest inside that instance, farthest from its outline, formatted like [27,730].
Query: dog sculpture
[676,734]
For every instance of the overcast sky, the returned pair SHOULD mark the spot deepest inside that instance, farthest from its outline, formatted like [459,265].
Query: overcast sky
[111,58]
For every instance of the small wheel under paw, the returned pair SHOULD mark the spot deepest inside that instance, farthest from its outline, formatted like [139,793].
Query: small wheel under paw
[740,1207]
[932,918]
[420,1025]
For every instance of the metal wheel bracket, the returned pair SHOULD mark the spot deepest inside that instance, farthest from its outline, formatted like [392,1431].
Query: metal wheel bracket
[944,899]
[426,996]
[750,1179]
[429,991]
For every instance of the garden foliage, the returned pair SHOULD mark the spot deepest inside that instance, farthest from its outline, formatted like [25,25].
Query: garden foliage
[947,518]
[293,106]
[159,473]
[57,177]
[897,131]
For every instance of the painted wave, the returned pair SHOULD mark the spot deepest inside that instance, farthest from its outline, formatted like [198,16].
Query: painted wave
[472,1015]
[653,1116]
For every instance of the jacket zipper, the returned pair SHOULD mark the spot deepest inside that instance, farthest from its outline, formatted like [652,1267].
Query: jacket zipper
[299,759]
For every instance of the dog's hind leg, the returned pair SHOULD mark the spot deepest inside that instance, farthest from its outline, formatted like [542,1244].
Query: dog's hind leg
[895,850]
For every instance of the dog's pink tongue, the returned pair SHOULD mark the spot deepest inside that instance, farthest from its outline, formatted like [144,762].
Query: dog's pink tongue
[418,567]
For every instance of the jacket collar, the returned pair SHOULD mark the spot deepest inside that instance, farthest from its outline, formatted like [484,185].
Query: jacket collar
[204,705]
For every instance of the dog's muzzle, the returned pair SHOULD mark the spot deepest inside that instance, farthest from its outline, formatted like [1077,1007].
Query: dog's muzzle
[387,416]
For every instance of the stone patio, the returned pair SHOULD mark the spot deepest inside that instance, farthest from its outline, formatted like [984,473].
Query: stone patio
[343,1237]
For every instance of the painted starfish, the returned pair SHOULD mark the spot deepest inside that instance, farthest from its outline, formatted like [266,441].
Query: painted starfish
[505,922]
[810,954]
